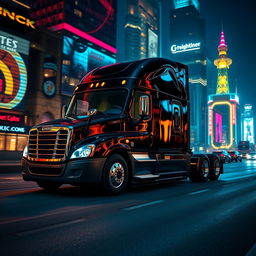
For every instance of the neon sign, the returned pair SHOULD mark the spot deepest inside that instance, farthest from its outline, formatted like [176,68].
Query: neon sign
[218,127]
[185,47]
[13,72]
[17,17]
[14,129]
[11,118]
[226,144]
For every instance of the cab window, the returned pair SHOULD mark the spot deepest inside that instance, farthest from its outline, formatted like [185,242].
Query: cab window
[140,105]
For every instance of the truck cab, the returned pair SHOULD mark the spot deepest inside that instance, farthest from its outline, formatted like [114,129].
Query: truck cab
[126,123]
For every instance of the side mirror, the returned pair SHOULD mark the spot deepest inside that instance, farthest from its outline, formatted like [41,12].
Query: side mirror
[92,111]
[64,111]
[144,106]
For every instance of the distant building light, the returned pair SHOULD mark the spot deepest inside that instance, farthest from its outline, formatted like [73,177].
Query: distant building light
[128,25]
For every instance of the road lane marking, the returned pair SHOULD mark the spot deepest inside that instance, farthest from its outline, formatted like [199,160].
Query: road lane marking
[143,205]
[198,192]
[237,178]
[33,231]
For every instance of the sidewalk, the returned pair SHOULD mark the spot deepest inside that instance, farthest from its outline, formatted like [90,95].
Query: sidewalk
[10,166]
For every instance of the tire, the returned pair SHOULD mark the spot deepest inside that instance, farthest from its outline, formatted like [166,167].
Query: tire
[215,167]
[202,171]
[48,186]
[115,175]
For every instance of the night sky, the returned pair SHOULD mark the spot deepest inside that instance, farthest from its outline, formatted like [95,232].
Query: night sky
[238,18]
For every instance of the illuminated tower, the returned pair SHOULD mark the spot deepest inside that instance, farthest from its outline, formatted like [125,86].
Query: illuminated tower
[223,107]
[222,64]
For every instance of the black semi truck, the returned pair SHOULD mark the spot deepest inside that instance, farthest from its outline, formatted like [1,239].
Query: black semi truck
[126,123]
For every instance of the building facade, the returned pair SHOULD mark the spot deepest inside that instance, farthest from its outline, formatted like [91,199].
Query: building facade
[247,124]
[88,35]
[138,29]
[188,47]
[223,107]
[14,85]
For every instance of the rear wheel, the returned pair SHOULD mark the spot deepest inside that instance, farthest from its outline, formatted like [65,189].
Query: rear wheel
[202,172]
[215,168]
[115,175]
[48,186]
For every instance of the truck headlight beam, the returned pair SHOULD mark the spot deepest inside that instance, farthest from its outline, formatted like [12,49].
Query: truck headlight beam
[83,152]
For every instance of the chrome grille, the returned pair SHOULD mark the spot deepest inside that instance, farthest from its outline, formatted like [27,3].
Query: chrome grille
[48,144]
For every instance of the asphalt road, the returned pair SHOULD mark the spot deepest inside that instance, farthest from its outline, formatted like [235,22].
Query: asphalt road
[178,218]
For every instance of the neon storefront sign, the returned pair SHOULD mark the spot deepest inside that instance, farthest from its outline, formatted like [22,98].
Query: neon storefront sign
[13,72]
[185,47]
[16,17]
[14,129]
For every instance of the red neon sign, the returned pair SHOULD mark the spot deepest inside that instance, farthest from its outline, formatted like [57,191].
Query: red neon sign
[84,35]
[11,118]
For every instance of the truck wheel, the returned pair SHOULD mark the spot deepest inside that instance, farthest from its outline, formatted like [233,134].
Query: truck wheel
[201,173]
[48,186]
[215,168]
[115,175]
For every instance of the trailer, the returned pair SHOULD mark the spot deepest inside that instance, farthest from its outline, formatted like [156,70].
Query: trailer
[126,123]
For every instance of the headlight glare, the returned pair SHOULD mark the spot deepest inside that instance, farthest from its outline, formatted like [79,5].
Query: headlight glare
[25,152]
[83,152]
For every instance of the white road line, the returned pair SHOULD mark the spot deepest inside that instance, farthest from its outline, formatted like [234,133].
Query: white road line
[30,232]
[238,178]
[252,251]
[198,192]
[143,205]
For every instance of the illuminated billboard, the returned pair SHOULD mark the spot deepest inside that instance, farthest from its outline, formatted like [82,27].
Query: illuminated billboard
[152,44]
[248,129]
[185,47]
[79,59]
[13,69]
[221,124]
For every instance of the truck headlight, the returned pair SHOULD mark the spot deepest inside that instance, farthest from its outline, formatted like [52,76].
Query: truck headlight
[25,152]
[247,156]
[84,151]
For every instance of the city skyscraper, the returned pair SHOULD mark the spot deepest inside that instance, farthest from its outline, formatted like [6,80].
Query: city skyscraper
[188,47]
[138,29]
[247,124]
[223,107]
[88,32]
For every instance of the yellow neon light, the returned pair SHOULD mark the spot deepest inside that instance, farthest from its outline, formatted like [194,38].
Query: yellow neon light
[230,124]
[123,82]
[8,78]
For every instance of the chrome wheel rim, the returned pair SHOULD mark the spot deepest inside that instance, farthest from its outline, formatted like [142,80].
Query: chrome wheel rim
[217,168]
[116,175]
[205,168]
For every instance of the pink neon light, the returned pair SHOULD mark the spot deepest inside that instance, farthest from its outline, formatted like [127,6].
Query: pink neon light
[222,40]
[83,35]
[218,128]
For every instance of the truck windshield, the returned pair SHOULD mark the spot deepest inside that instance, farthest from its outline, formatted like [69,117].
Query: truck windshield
[107,102]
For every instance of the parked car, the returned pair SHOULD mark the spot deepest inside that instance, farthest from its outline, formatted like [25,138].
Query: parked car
[224,155]
[251,156]
[235,156]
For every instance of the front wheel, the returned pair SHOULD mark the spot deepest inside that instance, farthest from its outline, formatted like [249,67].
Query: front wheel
[115,175]
[48,186]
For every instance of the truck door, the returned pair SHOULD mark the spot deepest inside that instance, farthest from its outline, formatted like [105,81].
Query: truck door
[172,161]
[141,132]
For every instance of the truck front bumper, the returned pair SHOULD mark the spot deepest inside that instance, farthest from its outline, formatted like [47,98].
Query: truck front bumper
[75,172]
